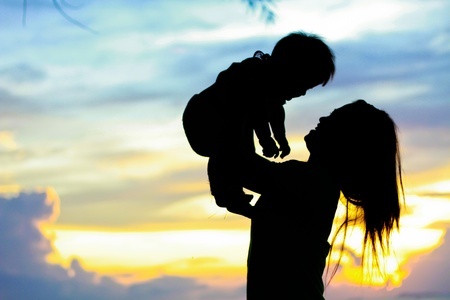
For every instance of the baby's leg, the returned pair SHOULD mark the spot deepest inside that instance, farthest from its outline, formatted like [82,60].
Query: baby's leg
[226,187]
[242,206]
[224,173]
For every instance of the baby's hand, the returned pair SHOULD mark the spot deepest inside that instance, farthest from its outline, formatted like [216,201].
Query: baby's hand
[270,148]
[284,146]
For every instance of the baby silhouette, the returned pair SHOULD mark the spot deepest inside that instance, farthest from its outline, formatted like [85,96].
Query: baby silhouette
[248,98]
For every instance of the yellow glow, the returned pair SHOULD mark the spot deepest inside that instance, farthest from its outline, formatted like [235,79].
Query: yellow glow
[9,189]
[201,253]
[219,254]
[7,140]
[437,187]
[418,235]
[199,208]
[426,211]
[424,181]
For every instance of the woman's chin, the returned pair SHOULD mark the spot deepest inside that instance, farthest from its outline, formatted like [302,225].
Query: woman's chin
[310,139]
[309,136]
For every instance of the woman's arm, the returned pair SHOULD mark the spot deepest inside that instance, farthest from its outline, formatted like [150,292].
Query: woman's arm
[264,176]
[259,174]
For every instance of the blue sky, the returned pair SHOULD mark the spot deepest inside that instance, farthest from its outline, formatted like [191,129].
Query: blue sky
[91,142]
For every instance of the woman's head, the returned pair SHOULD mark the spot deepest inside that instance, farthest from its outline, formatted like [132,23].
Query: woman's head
[357,144]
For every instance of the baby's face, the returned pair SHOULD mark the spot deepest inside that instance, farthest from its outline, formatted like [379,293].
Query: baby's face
[287,81]
[287,88]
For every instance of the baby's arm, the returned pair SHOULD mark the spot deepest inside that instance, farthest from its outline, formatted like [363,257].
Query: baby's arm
[276,119]
[262,130]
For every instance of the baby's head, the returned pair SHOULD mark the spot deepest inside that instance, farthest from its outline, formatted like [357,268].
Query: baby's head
[302,61]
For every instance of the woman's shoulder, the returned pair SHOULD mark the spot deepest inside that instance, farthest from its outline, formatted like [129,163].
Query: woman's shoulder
[295,168]
[294,176]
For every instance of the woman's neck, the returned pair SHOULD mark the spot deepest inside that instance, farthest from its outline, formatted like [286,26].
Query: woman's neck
[323,168]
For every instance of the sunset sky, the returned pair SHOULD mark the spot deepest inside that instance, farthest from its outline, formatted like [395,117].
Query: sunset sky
[101,196]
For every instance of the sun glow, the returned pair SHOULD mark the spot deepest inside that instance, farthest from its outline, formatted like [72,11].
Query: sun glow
[7,140]
[201,253]
[417,236]
[219,255]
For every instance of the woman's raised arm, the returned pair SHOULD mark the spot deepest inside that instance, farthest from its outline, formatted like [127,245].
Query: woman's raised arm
[259,174]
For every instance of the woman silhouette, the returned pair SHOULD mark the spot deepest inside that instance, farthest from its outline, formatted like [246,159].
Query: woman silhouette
[354,156]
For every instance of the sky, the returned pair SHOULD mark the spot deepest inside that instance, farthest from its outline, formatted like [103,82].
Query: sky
[101,196]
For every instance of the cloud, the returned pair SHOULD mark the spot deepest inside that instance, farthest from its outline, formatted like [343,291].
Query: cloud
[433,275]
[21,73]
[428,279]
[25,272]
[24,247]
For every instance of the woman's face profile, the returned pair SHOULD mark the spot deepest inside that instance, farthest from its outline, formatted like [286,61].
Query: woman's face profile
[316,139]
[346,124]
[329,130]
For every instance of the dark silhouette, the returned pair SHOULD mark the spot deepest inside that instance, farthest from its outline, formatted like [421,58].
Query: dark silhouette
[248,97]
[354,157]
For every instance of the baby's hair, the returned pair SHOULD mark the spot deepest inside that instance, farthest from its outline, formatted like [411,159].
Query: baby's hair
[306,50]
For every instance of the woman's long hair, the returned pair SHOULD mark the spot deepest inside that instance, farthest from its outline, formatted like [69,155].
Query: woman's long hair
[369,174]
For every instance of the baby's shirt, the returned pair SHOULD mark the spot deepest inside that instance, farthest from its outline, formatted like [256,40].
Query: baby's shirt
[238,100]
[243,84]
